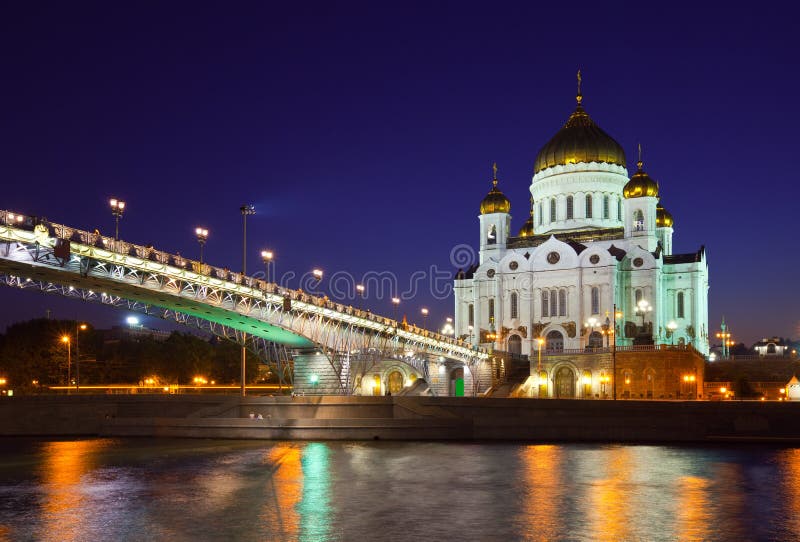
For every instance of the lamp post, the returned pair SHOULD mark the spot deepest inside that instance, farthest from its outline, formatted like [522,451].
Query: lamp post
[424,312]
[65,340]
[448,327]
[725,335]
[540,341]
[202,237]
[360,290]
[266,257]
[396,303]
[617,316]
[117,208]
[643,307]
[470,329]
[78,329]
[672,326]
[246,211]
[591,322]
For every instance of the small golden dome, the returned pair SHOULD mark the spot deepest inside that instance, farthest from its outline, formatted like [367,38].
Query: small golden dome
[527,227]
[579,141]
[495,201]
[641,185]
[663,218]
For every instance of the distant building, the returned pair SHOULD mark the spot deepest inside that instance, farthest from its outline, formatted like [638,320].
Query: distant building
[772,347]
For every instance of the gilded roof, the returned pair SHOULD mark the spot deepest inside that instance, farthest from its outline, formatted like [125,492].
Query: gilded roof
[495,201]
[581,140]
[663,218]
[641,185]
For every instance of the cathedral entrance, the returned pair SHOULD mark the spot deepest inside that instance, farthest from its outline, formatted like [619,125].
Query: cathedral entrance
[565,383]
[555,341]
[395,382]
[596,340]
[515,345]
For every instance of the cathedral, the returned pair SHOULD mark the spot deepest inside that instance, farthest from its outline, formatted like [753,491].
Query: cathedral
[592,266]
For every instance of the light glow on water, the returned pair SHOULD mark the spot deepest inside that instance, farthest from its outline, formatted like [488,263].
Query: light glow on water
[171,489]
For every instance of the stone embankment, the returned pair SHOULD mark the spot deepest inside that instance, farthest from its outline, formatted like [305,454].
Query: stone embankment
[400,418]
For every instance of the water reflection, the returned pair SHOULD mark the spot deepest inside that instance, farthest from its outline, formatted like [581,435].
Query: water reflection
[610,510]
[64,464]
[539,519]
[280,516]
[314,508]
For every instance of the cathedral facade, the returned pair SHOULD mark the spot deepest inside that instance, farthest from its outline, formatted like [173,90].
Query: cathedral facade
[592,265]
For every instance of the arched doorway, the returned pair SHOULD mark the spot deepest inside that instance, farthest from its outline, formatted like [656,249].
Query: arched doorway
[595,339]
[555,341]
[515,345]
[376,385]
[395,381]
[456,388]
[565,383]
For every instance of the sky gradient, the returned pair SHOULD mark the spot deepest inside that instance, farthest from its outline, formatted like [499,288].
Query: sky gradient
[364,133]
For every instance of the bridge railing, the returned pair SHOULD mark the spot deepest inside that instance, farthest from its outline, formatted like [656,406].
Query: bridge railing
[148,252]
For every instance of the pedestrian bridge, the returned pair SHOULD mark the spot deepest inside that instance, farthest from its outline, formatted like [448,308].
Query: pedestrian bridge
[318,345]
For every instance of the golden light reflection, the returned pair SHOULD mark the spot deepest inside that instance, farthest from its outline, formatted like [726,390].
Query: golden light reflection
[790,460]
[544,488]
[611,515]
[286,485]
[63,466]
[693,507]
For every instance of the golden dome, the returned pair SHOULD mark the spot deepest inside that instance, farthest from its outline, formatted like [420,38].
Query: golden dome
[641,185]
[527,228]
[663,218]
[495,201]
[579,141]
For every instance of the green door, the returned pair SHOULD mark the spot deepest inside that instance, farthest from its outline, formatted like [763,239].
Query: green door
[459,387]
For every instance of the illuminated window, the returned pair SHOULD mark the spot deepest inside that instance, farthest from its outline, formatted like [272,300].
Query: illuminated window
[680,304]
[491,309]
[552,210]
[491,238]
[595,300]
[588,206]
[545,303]
[569,207]
[605,207]
[562,302]
[638,220]
[514,305]
[554,303]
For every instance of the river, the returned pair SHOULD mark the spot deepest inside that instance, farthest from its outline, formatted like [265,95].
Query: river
[170,489]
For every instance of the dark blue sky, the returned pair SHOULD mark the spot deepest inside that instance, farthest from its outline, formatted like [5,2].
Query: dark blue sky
[364,132]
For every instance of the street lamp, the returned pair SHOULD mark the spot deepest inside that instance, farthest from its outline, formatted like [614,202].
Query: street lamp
[202,237]
[448,327]
[396,303]
[65,340]
[471,329]
[360,290]
[78,329]
[540,341]
[643,307]
[246,211]
[266,257]
[117,208]
[726,339]
[672,326]
[591,322]
[317,273]
[424,312]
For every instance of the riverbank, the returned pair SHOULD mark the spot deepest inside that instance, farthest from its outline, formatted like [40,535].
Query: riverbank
[400,418]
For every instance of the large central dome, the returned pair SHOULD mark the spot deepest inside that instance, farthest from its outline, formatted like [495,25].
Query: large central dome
[580,140]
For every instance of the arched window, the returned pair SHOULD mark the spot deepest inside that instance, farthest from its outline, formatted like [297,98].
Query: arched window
[541,215]
[680,305]
[637,296]
[471,314]
[553,210]
[562,302]
[619,209]
[554,303]
[588,206]
[638,220]
[491,238]
[514,305]
[545,304]
[595,300]
[569,207]
[606,203]
[491,309]
[515,345]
